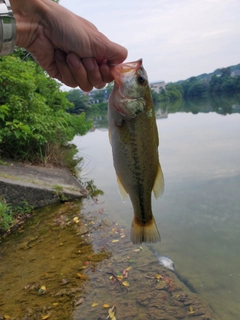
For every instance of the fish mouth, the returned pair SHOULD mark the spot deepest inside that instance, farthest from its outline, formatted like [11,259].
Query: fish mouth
[125,70]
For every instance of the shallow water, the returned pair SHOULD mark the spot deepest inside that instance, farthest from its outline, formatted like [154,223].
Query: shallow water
[199,213]
[72,261]
[42,263]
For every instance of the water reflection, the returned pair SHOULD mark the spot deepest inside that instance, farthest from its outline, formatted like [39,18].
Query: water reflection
[222,105]
[198,215]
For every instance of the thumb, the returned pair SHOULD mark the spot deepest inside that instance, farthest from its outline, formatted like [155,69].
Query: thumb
[115,53]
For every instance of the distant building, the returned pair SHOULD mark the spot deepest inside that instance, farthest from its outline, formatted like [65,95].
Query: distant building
[235,73]
[97,96]
[158,86]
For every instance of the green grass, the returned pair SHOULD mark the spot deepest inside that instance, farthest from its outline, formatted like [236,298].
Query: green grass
[6,215]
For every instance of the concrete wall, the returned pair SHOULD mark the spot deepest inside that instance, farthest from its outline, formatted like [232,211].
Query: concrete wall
[15,192]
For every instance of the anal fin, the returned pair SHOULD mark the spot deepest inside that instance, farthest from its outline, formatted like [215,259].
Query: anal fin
[122,190]
[158,187]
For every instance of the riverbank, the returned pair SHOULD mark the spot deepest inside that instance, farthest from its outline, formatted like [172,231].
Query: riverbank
[38,186]
[72,261]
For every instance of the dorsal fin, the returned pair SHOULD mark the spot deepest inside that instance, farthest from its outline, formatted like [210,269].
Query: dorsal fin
[159,183]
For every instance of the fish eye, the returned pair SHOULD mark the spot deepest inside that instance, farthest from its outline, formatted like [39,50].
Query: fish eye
[141,79]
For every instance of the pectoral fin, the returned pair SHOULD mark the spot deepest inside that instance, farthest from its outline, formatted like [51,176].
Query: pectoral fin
[159,183]
[122,190]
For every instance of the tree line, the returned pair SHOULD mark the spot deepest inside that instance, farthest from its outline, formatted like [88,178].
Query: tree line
[219,83]
[196,87]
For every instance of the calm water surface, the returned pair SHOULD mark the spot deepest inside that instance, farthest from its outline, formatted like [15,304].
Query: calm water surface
[199,213]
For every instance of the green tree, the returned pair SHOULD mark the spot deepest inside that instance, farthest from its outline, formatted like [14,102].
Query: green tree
[224,84]
[155,97]
[225,71]
[237,83]
[215,84]
[109,88]
[228,85]
[197,89]
[33,113]
[99,95]
[79,100]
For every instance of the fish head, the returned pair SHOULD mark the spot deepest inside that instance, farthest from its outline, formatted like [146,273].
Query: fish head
[130,79]
[130,88]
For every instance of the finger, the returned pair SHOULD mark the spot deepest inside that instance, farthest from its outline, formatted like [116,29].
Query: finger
[65,75]
[93,72]
[106,73]
[79,72]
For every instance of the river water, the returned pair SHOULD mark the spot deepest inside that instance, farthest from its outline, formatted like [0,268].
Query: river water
[198,215]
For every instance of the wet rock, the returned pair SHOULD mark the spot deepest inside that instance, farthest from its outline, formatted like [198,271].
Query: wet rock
[175,312]
[144,297]
[61,293]
[158,314]
[99,282]
[64,281]
[106,222]
[78,301]
[161,285]
[82,229]
[129,310]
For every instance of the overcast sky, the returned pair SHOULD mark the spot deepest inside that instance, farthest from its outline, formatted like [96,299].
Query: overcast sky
[177,39]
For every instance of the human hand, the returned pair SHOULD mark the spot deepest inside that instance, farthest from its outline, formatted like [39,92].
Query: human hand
[68,47]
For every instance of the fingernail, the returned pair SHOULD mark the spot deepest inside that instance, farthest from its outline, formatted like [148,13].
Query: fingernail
[60,55]
[73,59]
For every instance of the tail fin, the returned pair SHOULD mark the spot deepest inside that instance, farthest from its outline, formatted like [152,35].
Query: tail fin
[144,232]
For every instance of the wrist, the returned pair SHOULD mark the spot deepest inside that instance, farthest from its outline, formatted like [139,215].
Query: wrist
[27,14]
[7,28]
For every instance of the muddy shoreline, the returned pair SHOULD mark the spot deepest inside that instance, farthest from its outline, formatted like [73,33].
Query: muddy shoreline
[71,261]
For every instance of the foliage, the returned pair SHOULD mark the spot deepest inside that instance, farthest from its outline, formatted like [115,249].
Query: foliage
[58,190]
[89,102]
[6,216]
[79,100]
[92,190]
[33,111]
[224,84]
[8,213]
[172,93]
[220,82]
[194,88]
[23,207]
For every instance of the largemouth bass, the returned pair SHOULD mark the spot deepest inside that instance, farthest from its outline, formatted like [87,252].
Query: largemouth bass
[134,139]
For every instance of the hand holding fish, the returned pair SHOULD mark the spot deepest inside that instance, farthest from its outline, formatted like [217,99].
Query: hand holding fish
[68,47]
[134,138]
